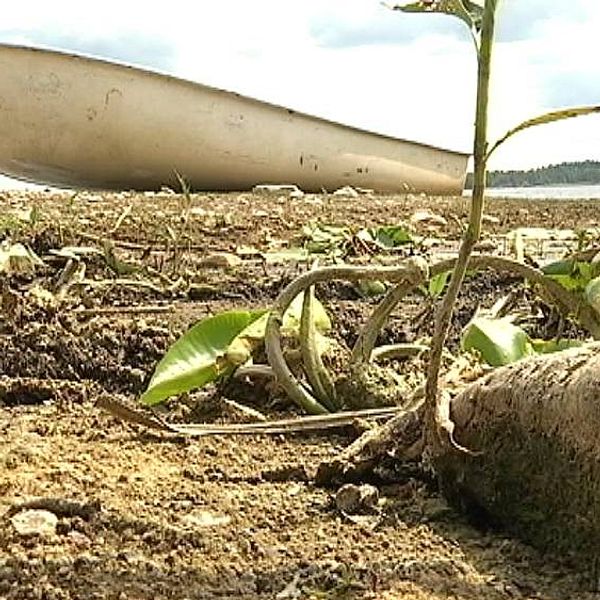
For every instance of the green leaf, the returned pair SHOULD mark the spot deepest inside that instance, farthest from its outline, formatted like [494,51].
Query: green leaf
[326,239]
[392,235]
[571,274]
[497,340]
[559,268]
[197,357]
[469,12]
[293,315]
[592,294]
[370,288]
[437,284]
[550,117]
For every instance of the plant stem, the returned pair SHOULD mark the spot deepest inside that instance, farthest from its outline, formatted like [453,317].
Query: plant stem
[444,315]
[568,303]
[412,271]
[363,348]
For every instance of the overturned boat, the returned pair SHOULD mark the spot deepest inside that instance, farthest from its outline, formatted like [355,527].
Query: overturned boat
[75,121]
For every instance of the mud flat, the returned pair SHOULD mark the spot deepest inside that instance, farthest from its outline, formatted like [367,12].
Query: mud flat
[144,516]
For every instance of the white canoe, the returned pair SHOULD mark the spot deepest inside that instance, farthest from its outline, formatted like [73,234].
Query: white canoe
[75,121]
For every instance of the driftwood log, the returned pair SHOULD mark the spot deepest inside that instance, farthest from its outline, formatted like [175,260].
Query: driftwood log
[533,432]
[535,429]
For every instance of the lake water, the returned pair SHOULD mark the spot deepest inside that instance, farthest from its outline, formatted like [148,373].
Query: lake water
[554,192]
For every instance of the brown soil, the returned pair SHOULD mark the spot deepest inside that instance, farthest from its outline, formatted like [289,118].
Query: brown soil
[148,516]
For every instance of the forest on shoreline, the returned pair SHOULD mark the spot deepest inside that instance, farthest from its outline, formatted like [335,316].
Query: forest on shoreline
[566,173]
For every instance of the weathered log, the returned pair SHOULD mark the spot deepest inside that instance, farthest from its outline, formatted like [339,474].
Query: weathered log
[534,428]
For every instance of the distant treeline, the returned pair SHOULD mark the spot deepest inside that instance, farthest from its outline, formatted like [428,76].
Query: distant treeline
[567,173]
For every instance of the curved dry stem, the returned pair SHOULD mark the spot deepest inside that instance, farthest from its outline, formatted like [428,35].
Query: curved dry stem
[566,301]
[549,117]
[411,271]
[254,371]
[363,348]
[397,351]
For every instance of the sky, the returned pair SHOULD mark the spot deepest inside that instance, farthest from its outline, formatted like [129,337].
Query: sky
[354,61]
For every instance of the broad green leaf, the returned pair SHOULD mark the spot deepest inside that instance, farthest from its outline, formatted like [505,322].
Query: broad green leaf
[370,288]
[592,294]
[499,341]
[293,315]
[392,235]
[437,284]
[326,238]
[550,117]
[241,348]
[469,12]
[559,268]
[197,357]
[571,274]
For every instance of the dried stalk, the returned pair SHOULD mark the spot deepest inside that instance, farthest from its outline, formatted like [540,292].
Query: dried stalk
[411,271]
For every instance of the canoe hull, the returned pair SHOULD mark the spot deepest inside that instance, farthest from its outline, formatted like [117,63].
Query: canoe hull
[74,121]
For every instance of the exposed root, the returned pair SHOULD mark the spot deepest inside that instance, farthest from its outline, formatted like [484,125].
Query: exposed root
[401,437]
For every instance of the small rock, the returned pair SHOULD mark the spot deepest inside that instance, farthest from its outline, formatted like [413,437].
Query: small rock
[357,499]
[487,245]
[35,522]
[490,219]
[278,189]
[347,191]
[79,539]
[426,216]
[221,260]
[89,197]
[205,518]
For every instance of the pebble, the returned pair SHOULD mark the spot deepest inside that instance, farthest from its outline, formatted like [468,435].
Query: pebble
[357,499]
[347,191]
[221,260]
[291,189]
[490,219]
[35,522]
[205,518]
[426,216]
